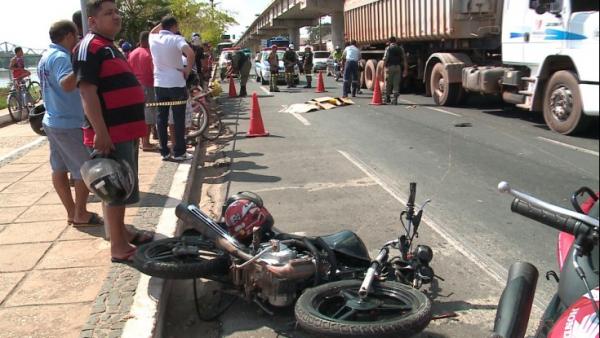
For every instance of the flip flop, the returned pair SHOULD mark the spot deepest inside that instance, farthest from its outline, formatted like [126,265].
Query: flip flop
[93,221]
[142,237]
[127,260]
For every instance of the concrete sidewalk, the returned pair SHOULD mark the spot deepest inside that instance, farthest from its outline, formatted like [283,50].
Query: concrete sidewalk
[57,280]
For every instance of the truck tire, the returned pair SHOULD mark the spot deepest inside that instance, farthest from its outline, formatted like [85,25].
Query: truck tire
[362,64]
[381,75]
[370,68]
[443,93]
[563,106]
[318,310]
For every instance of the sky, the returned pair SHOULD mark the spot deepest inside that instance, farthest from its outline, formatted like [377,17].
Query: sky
[26,22]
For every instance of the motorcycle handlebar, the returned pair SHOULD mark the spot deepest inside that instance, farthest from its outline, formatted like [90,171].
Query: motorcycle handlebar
[557,221]
[413,193]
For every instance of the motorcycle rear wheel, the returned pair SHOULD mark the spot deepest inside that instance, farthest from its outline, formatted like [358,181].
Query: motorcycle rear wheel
[335,310]
[185,257]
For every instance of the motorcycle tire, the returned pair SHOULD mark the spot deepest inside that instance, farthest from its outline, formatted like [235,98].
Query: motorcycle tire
[316,308]
[166,258]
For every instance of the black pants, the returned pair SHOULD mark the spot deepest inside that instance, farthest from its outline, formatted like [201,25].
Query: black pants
[171,94]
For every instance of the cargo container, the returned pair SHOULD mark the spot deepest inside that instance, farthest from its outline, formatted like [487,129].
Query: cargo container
[541,55]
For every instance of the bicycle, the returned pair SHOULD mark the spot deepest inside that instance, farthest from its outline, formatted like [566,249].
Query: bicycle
[206,123]
[20,101]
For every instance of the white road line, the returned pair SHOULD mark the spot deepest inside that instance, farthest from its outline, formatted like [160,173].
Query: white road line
[407,101]
[265,90]
[583,150]
[284,108]
[496,271]
[444,111]
[301,119]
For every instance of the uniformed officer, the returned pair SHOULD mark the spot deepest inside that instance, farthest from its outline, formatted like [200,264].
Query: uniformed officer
[240,62]
[308,66]
[396,67]
[274,68]
[290,60]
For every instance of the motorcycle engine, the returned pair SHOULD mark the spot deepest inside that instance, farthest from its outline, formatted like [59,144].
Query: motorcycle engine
[277,275]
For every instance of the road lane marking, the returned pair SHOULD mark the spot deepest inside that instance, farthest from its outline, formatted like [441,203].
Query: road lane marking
[284,108]
[583,150]
[265,90]
[492,268]
[301,119]
[444,111]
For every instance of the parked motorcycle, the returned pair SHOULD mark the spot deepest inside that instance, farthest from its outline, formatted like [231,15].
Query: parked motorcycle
[343,293]
[337,70]
[573,311]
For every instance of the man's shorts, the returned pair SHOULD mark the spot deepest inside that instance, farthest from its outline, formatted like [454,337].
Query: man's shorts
[67,151]
[129,151]
[150,112]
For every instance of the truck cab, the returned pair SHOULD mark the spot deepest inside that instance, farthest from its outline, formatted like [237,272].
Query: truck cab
[557,40]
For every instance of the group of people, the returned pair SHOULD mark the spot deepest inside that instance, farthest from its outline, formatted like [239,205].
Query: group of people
[95,99]
[396,67]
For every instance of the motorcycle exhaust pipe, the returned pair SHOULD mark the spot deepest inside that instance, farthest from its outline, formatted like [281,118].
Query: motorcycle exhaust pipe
[192,215]
[516,301]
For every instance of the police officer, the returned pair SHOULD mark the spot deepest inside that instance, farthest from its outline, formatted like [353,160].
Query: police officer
[290,60]
[308,66]
[396,67]
[274,68]
[240,63]
[350,57]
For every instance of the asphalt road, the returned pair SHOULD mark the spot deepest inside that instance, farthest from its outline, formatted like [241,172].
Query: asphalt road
[350,167]
[458,156]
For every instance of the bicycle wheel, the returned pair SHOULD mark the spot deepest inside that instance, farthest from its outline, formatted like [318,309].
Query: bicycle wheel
[214,128]
[35,90]
[14,108]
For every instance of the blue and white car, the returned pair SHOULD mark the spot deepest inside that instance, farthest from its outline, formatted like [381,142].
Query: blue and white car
[263,70]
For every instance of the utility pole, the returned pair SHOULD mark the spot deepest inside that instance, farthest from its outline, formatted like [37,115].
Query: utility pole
[320,34]
[84,17]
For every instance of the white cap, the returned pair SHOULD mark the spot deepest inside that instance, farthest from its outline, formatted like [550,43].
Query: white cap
[291,46]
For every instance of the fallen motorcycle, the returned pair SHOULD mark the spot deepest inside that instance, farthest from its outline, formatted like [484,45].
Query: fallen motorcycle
[573,311]
[342,291]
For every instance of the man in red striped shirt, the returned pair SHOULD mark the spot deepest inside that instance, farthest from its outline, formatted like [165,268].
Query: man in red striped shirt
[113,101]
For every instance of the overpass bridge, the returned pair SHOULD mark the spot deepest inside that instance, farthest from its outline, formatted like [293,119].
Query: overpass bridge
[288,16]
[32,55]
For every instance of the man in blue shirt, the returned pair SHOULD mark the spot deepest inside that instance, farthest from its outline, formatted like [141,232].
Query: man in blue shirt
[63,121]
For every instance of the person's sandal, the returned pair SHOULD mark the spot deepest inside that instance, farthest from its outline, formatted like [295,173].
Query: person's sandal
[93,221]
[127,260]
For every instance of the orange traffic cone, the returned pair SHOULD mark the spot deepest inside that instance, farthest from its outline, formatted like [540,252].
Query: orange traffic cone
[320,84]
[257,128]
[232,91]
[377,99]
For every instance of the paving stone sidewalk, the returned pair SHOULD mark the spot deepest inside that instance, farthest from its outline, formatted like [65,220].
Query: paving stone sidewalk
[57,280]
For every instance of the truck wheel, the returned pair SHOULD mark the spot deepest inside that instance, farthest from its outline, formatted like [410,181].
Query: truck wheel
[362,64]
[381,75]
[370,69]
[563,107]
[443,92]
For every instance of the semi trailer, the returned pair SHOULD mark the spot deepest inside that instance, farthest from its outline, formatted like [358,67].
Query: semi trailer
[540,55]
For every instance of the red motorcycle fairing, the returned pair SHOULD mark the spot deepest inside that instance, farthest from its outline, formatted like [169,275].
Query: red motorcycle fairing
[580,320]
[565,240]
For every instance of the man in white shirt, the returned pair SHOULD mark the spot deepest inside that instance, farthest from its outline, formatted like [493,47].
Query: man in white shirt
[350,57]
[170,76]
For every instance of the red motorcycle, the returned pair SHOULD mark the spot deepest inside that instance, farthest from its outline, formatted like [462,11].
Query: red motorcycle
[573,311]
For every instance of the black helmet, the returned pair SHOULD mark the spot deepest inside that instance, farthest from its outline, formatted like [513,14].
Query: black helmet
[111,179]
[35,119]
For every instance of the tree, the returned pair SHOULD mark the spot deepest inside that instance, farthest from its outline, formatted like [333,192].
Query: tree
[313,33]
[193,16]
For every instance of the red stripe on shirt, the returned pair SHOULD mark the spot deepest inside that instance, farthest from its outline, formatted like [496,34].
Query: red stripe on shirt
[113,67]
[118,134]
[123,97]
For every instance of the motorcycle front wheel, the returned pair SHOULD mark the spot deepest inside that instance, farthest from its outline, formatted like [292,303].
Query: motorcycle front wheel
[390,310]
[185,257]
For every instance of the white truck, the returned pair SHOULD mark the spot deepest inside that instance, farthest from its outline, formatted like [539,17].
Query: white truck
[541,55]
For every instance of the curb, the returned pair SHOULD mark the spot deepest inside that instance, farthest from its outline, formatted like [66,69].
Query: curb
[19,152]
[147,311]
[5,119]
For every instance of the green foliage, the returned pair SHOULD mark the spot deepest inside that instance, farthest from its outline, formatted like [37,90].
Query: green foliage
[313,33]
[193,16]
[3,96]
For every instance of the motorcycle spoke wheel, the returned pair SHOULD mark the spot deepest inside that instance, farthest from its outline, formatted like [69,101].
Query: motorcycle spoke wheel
[390,310]
[181,258]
